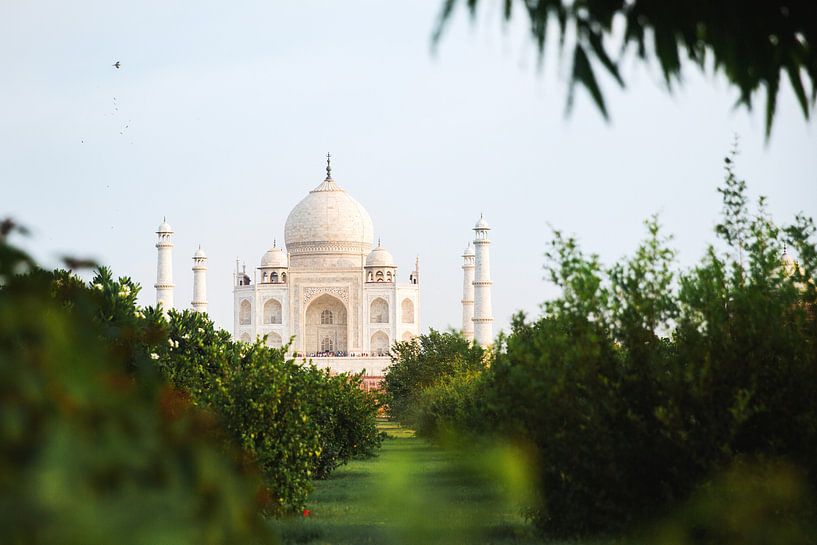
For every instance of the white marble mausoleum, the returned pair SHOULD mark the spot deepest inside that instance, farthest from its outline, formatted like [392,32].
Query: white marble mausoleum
[330,293]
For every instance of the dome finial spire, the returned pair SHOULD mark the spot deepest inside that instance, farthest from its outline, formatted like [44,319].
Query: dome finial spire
[328,166]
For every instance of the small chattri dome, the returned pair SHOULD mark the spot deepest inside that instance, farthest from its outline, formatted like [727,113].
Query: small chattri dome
[380,257]
[481,224]
[469,250]
[200,253]
[164,227]
[274,257]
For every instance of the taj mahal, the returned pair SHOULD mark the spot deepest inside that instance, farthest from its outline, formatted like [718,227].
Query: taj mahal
[332,295]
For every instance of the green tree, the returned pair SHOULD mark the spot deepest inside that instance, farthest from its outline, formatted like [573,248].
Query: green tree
[422,361]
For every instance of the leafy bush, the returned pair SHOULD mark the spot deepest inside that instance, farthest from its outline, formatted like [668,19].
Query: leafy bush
[421,362]
[94,446]
[639,384]
[257,395]
[450,404]
[762,503]
[347,417]
[296,421]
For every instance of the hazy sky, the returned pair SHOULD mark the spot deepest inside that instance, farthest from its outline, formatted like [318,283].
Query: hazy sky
[222,114]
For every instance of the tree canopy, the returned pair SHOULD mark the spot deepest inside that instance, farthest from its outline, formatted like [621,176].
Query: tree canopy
[752,42]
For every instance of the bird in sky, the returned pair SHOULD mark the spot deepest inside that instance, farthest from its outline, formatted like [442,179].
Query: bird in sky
[117,65]
[73,263]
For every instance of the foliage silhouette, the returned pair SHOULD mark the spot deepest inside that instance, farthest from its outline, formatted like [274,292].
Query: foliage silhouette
[753,44]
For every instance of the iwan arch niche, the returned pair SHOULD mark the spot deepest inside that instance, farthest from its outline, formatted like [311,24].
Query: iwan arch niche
[272,312]
[326,326]
[379,311]
[380,344]
[274,340]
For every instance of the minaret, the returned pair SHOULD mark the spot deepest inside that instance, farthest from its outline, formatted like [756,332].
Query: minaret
[468,293]
[414,277]
[164,270]
[483,314]
[199,281]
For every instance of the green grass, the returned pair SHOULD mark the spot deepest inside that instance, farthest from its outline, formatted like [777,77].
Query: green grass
[415,493]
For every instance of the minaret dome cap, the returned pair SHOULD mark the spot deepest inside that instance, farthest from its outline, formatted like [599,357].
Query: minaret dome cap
[481,224]
[164,227]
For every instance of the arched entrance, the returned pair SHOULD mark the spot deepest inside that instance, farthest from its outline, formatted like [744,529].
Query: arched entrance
[325,326]
[380,344]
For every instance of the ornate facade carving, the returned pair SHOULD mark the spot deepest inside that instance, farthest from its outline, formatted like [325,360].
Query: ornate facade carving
[341,293]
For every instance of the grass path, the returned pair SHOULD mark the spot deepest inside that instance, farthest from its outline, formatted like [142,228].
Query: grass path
[412,493]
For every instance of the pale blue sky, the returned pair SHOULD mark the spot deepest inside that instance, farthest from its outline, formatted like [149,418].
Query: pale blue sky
[230,108]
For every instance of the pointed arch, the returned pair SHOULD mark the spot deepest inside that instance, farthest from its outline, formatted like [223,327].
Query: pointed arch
[274,340]
[407,315]
[245,312]
[379,311]
[380,344]
[325,317]
[273,312]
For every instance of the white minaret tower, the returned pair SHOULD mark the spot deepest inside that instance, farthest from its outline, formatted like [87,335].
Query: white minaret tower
[414,277]
[468,293]
[199,281]
[483,314]
[164,273]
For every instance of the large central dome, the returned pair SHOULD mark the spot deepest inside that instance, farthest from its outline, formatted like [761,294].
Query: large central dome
[328,221]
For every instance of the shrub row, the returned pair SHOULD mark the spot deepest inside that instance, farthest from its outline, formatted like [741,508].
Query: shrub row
[120,425]
[639,385]
[296,421]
